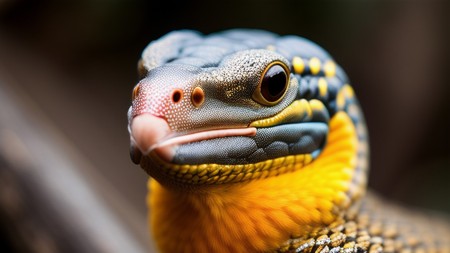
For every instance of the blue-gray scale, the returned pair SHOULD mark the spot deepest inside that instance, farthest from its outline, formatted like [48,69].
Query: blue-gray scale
[268,143]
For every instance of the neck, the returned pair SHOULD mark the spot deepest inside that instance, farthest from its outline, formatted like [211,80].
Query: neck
[259,215]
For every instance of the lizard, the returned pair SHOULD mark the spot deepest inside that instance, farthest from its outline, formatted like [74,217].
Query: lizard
[256,142]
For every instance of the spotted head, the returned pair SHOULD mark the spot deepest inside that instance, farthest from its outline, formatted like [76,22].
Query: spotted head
[229,107]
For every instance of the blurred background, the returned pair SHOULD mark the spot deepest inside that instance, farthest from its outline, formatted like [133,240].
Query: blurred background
[67,69]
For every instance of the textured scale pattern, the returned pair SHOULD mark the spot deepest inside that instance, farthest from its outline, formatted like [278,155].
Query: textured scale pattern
[255,188]
[376,226]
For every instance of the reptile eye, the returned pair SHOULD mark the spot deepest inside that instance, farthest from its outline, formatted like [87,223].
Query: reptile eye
[273,84]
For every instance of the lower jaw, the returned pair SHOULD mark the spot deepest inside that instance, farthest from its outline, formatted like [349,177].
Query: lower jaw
[198,175]
[267,143]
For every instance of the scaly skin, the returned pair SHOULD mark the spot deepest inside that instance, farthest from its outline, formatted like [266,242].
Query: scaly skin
[256,143]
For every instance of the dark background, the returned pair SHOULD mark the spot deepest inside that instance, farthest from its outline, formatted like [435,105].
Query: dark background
[75,63]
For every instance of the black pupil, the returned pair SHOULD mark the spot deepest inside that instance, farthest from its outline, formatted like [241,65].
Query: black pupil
[274,83]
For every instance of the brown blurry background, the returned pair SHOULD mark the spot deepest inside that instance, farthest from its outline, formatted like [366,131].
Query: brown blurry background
[67,69]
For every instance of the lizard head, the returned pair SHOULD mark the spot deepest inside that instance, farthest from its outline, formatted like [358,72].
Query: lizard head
[209,114]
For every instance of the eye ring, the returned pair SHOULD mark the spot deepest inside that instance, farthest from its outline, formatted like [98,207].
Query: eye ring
[273,84]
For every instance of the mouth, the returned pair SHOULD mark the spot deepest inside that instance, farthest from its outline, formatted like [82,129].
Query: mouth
[159,139]
[286,141]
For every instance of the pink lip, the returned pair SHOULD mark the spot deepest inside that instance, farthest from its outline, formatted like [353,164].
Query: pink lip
[151,133]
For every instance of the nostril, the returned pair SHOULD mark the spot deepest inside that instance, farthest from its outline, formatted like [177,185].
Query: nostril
[198,96]
[177,95]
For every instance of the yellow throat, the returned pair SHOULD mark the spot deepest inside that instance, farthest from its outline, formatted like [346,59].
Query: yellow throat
[260,215]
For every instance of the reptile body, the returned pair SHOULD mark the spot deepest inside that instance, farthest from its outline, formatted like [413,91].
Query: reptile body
[256,143]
